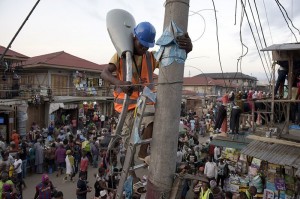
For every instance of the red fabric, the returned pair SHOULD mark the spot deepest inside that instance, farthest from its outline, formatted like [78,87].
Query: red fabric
[211,150]
[224,125]
[84,164]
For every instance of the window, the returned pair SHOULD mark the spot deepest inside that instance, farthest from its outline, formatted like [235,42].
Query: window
[59,84]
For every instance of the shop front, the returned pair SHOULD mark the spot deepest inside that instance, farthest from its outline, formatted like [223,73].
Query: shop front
[270,167]
[10,118]
[238,164]
[277,165]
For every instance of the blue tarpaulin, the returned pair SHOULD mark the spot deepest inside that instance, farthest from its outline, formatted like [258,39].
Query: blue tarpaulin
[169,50]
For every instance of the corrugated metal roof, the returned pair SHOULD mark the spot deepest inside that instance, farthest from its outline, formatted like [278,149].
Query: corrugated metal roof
[239,142]
[288,46]
[274,153]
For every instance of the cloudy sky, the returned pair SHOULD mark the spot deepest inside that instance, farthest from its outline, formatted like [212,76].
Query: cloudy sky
[79,28]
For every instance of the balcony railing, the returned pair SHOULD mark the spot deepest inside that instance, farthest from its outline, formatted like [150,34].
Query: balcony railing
[9,91]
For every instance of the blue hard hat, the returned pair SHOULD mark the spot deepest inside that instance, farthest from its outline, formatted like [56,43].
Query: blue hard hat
[145,33]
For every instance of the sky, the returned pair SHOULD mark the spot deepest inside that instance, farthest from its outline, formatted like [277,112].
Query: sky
[78,27]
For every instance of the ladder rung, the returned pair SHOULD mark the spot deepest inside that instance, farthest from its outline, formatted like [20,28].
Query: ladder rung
[146,141]
[148,114]
[138,166]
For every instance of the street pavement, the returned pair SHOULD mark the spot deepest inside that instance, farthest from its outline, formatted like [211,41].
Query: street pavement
[69,188]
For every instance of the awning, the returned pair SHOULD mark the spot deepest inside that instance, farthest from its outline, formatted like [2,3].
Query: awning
[55,106]
[280,154]
[6,108]
[239,142]
[8,102]
[286,46]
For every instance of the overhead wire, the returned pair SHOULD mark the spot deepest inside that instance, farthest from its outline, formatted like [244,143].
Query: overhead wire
[287,15]
[258,35]
[239,60]
[263,35]
[204,22]
[255,40]
[284,17]
[268,21]
[235,10]
[217,35]
[292,14]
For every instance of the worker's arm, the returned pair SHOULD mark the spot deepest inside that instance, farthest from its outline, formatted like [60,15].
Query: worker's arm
[107,75]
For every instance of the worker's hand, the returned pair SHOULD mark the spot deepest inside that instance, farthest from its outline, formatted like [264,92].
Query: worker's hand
[185,42]
[126,87]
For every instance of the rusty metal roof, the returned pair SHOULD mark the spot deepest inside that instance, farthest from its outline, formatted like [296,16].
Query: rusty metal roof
[239,142]
[287,46]
[274,153]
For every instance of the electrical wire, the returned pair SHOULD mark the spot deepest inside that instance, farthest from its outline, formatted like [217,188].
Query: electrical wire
[255,40]
[263,35]
[287,23]
[278,3]
[268,21]
[204,22]
[258,35]
[217,35]
[239,60]
[235,10]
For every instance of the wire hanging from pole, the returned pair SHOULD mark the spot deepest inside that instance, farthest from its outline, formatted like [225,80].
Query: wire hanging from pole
[268,21]
[217,34]
[287,23]
[258,35]
[255,40]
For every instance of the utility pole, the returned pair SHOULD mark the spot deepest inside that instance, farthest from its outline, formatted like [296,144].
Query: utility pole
[167,116]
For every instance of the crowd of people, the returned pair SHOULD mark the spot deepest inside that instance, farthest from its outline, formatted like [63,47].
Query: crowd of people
[66,155]
[205,160]
[58,150]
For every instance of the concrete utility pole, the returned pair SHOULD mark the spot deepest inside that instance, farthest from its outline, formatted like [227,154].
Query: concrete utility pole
[167,115]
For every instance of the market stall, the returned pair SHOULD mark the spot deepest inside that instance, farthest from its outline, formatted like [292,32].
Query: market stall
[277,165]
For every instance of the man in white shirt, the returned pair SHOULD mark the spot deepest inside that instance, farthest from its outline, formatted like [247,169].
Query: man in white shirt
[102,120]
[211,169]
[217,153]
[18,170]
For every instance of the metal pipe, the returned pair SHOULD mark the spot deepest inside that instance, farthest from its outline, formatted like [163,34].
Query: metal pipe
[123,114]
[128,66]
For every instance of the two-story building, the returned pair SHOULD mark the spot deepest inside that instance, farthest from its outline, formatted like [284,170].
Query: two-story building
[56,87]
[11,107]
[204,85]
[240,80]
